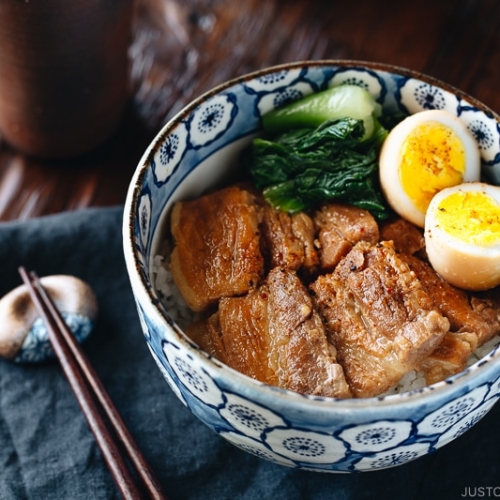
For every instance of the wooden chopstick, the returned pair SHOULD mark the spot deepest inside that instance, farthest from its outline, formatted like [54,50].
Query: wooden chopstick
[86,385]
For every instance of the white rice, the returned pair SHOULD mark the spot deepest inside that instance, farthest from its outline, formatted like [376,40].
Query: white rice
[168,292]
[183,316]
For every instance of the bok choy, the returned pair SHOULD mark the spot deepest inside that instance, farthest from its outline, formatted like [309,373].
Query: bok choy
[302,167]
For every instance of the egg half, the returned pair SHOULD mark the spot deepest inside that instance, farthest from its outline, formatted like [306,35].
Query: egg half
[462,235]
[423,154]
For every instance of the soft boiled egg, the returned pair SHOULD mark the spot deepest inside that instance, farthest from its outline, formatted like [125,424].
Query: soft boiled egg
[462,235]
[423,154]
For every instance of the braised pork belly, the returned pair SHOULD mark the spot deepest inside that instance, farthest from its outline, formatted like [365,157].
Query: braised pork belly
[474,320]
[406,237]
[325,303]
[466,312]
[274,334]
[217,247]
[244,329]
[340,227]
[288,240]
[450,356]
[300,354]
[380,319]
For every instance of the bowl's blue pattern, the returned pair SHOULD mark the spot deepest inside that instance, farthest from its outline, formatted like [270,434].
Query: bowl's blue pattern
[290,429]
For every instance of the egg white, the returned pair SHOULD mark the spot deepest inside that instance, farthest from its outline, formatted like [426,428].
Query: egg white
[462,263]
[390,160]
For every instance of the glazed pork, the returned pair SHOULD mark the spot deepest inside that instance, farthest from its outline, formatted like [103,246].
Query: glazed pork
[217,247]
[340,227]
[244,328]
[237,334]
[378,316]
[449,357]
[300,353]
[288,240]
[325,303]
[406,237]
[473,321]
[274,335]
[304,229]
[465,312]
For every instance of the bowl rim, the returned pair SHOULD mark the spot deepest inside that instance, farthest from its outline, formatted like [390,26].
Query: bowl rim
[456,384]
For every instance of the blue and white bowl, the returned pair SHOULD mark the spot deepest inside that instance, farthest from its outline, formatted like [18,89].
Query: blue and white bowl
[195,151]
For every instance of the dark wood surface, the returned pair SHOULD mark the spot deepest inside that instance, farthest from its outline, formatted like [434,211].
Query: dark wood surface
[182,48]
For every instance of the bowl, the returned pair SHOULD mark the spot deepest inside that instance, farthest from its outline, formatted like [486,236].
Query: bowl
[195,151]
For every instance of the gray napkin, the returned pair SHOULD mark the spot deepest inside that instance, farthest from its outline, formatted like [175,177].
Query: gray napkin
[48,452]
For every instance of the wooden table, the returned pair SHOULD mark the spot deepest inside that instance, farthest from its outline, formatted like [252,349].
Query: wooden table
[181,48]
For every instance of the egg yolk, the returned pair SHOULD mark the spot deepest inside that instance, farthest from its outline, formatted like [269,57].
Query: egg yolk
[432,158]
[472,217]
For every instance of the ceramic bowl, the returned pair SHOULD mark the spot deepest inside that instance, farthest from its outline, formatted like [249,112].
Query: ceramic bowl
[192,153]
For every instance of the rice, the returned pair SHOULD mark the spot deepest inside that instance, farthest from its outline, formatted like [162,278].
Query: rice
[169,295]
[411,381]
[483,350]
[183,316]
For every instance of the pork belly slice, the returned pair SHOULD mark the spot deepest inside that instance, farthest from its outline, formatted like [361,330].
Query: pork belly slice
[339,228]
[304,230]
[378,316]
[407,238]
[207,334]
[479,315]
[217,251]
[288,240]
[300,354]
[274,335]
[244,325]
[450,356]
[237,334]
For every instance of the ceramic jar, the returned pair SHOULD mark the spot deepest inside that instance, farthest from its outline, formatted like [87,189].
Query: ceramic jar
[63,73]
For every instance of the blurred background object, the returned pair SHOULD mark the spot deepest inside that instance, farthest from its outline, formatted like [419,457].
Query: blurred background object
[63,74]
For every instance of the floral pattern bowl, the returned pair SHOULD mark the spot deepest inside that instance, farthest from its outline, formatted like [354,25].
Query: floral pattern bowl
[192,153]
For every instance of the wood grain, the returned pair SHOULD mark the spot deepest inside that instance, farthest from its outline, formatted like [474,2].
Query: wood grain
[181,49]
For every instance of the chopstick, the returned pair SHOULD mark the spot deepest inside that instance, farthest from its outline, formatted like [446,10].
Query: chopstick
[89,391]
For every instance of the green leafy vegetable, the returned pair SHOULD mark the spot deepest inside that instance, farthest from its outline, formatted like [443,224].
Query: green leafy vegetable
[331,104]
[302,167]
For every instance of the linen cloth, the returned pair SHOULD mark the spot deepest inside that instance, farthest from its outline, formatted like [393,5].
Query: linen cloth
[48,452]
